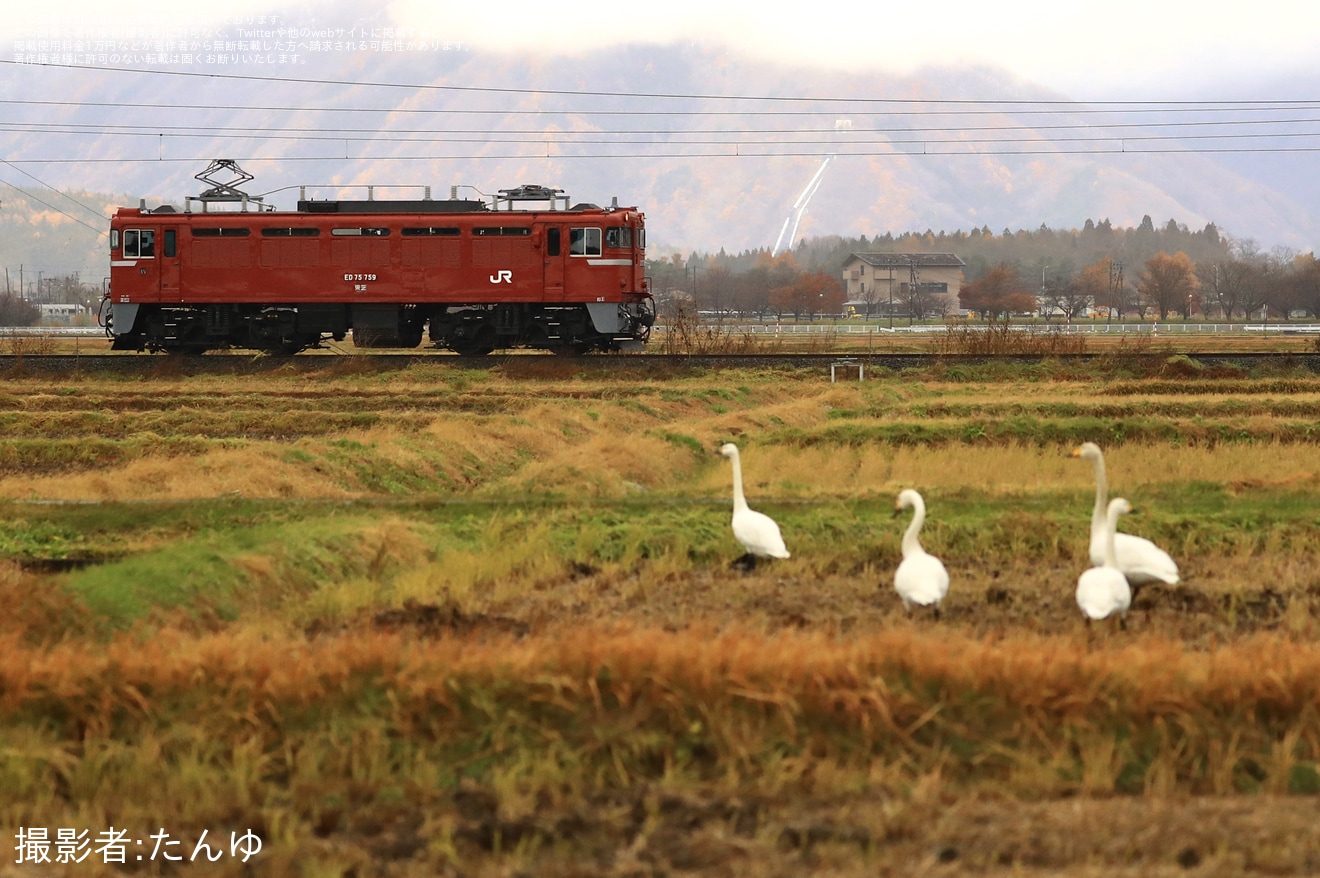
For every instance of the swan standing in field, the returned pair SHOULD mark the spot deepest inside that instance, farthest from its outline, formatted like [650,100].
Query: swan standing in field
[757,532]
[1140,560]
[1103,590]
[921,578]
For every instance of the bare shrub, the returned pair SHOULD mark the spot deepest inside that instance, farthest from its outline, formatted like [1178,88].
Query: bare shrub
[822,342]
[686,333]
[999,337]
[20,345]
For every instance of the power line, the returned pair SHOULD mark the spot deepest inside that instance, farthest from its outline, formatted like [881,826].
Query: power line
[984,105]
[641,95]
[27,194]
[735,151]
[1111,130]
[1186,132]
[94,212]
[853,134]
[852,147]
[1125,129]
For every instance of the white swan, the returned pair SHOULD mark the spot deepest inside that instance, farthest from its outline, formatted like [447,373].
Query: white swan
[1140,560]
[921,578]
[1103,590]
[757,532]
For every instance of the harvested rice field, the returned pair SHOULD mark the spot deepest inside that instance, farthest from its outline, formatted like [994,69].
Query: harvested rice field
[488,622]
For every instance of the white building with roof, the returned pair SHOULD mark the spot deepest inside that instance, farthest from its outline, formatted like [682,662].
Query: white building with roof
[882,283]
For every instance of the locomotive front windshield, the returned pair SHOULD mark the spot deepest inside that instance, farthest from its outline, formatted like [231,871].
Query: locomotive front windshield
[139,243]
[584,242]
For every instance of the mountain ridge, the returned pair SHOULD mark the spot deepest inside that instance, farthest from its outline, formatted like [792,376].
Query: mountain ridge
[704,178]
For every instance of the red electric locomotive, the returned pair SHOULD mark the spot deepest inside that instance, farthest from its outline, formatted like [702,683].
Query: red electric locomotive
[472,276]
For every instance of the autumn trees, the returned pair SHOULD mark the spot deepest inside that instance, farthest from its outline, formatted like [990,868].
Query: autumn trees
[809,295]
[775,285]
[999,291]
[1249,283]
[1170,284]
[1155,269]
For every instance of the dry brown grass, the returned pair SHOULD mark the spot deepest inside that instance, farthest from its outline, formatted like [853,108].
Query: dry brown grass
[582,686]
[1001,337]
[1013,470]
[685,332]
[503,435]
[251,471]
[697,750]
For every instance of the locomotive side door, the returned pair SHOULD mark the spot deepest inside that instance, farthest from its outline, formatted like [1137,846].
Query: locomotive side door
[141,267]
[168,243]
[552,256]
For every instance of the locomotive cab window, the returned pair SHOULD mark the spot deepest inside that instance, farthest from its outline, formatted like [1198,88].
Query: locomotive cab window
[618,237]
[139,243]
[114,239]
[584,242]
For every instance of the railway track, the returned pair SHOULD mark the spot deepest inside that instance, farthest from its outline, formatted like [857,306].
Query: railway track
[845,366]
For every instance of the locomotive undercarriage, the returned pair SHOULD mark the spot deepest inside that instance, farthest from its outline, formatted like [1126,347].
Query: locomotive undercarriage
[198,329]
[476,330]
[468,330]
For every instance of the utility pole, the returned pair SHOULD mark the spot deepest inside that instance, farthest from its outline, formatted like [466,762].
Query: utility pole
[913,285]
[891,295]
[1214,274]
[1040,300]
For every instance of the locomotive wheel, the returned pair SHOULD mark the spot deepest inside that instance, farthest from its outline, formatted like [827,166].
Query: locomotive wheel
[411,336]
[472,348]
[481,343]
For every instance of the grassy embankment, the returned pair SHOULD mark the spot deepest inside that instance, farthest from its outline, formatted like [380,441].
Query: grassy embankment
[446,620]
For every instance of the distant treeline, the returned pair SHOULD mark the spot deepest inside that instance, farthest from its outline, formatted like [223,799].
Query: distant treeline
[1227,277]
[1058,251]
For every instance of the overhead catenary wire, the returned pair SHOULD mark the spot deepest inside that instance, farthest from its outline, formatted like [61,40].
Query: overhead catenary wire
[1251,126]
[100,128]
[42,201]
[734,152]
[928,108]
[514,91]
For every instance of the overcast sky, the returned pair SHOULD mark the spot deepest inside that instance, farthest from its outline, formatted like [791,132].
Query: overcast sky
[1121,49]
